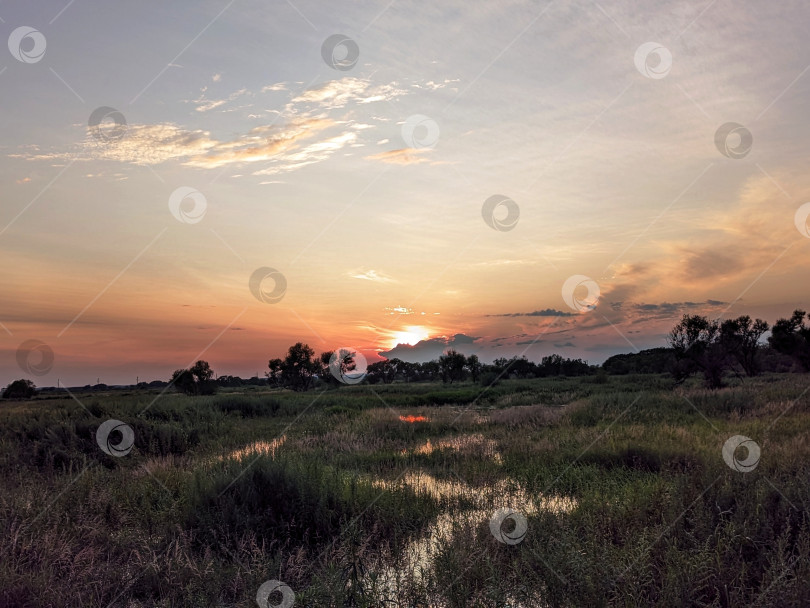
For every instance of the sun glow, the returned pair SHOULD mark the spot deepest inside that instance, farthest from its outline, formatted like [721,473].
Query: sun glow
[410,335]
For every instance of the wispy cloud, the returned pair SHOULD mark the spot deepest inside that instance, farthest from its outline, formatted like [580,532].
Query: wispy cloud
[372,275]
[402,156]
[279,86]
[142,145]
[313,153]
[260,144]
[548,312]
[206,105]
[339,93]
[282,145]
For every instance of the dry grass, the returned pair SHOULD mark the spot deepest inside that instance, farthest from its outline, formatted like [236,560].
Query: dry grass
[527,416]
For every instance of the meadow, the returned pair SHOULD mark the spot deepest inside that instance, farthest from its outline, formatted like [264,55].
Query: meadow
[390,495]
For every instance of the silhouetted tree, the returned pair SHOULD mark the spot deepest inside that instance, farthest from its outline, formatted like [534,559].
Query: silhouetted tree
[230,381]
[183,381]
[740,339]
[20,389]
[324,372]
[274,375]
[474,367]
[342,366]
[411,372]
[451,366]
[202,371]
[429,370]
[516,367]
[792,337]
[197,380]
[551,365]
[575,367]
[649,361]
[697,346]
[299,367]
[384,371]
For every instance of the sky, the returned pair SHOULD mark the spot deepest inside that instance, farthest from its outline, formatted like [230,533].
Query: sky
[221,179]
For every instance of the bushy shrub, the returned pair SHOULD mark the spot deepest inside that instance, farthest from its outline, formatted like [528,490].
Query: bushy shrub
[20,389]
[489,378]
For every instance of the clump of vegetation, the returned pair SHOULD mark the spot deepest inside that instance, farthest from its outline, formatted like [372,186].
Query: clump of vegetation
[711,348]
[197,380]
[792,337]
[20,389]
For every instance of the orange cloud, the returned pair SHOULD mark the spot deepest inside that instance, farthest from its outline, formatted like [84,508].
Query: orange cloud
[402,156]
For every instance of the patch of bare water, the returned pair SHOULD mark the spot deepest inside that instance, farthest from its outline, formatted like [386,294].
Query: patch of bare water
[418,555]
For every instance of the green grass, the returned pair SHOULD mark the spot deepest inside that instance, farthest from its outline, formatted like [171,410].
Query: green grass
[659,518]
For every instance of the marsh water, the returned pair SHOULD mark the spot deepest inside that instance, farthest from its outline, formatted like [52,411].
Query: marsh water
[466,507]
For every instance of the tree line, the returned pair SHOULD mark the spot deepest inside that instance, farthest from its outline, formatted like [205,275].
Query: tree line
[697,345]
[713,348]
[300,369]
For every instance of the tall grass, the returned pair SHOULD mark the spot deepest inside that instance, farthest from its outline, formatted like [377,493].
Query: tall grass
[190,517]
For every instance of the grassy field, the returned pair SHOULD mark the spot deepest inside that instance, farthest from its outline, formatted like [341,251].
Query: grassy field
[621,481]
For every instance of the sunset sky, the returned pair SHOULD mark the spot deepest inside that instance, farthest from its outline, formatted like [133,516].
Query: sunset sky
[364,183]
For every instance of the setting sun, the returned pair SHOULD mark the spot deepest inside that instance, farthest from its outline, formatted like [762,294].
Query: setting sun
[410,335]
